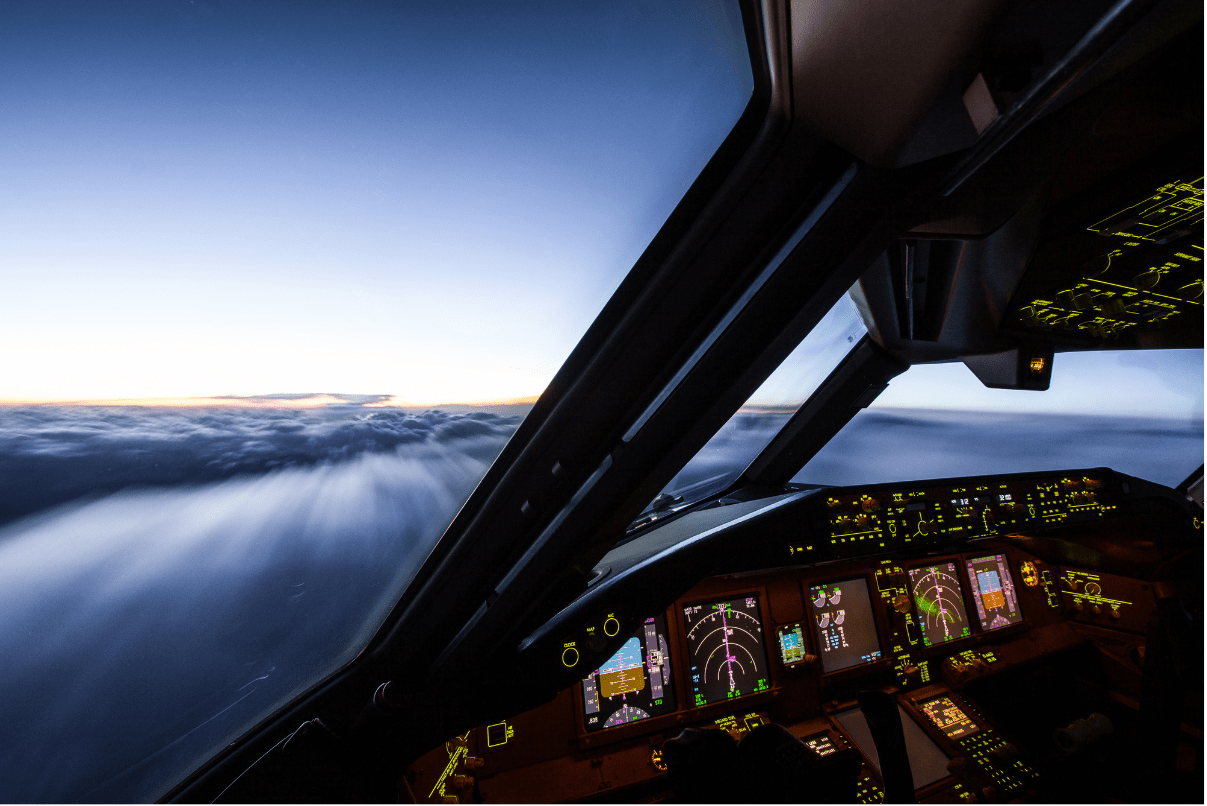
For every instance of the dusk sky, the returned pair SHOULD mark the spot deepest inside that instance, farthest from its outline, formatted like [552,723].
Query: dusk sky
[207,198]
[429,201]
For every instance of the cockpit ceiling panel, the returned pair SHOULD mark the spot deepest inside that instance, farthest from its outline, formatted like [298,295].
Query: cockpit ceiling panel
[1133,276]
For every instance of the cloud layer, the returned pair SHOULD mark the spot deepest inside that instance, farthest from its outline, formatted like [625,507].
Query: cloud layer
[52,455]
[144,630]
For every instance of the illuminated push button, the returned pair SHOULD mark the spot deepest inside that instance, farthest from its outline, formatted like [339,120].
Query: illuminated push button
[611,626]
[569,657]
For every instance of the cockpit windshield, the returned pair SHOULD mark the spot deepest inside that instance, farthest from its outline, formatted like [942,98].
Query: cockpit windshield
[1138,412]
[281,280]
[739,441]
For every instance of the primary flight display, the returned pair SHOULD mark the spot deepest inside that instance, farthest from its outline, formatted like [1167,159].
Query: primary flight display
[634,684]
[993,592]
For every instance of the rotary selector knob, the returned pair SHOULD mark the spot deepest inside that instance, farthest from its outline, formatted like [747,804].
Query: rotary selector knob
[901,603]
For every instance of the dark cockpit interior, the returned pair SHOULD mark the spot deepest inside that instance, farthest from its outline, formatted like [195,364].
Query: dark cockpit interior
[995,184]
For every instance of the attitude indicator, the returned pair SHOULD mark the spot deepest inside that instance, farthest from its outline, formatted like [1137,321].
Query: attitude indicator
[993,592]
[634,684]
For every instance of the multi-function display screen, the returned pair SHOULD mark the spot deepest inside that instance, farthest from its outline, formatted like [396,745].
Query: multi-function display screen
[791,639]
[938,603]
[634,684]
[841,615]
[948,717]
[993,592]
[726,649]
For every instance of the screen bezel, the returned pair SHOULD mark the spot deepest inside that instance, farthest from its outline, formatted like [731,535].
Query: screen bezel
[1010,563]
[805,661]
[878,620]
[919,707]
[965,593]
[580,700]
[760,595]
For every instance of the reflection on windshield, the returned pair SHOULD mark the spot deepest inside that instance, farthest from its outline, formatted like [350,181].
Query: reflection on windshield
[723,458]
[1137,412]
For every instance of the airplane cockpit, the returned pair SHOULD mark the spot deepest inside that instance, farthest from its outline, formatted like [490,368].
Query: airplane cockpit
[1009,190]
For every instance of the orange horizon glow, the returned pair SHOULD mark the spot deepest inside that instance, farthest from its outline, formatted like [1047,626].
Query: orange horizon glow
[401,403]
[308,402]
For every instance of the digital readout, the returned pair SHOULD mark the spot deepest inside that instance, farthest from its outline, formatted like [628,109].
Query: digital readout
[938,603]
[993,592]
[634,684]
[726,650]
[948,717]
[820,743]
[792,643]
[841,617]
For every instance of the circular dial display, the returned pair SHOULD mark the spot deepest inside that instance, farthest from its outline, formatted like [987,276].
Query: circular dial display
[939,604]
[728,654]
[634,684]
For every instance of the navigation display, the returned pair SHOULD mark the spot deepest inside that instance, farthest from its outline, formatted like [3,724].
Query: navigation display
[841,615]
[948,717]
[939,604]
[634,684]
[726,649]
[993,592]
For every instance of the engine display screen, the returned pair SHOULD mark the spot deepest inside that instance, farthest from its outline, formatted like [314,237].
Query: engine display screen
[634,684]
[939,603]
[792,643]
[948,717]
[726,649]
[843,625]
[993,592]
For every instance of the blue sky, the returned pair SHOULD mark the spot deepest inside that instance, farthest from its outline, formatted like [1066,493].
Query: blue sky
[423,200]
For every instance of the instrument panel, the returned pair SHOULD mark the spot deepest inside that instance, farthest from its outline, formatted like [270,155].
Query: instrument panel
[793,645]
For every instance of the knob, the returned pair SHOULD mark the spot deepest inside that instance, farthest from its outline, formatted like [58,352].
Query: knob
[1078,606]
[1097,610]
[474,763]
[901,603]
[1115,614]
[912,675]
